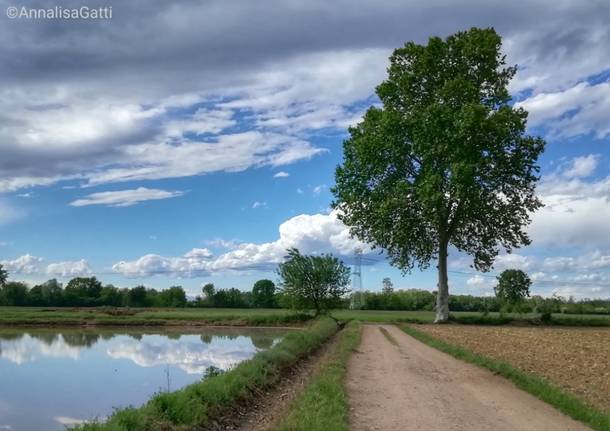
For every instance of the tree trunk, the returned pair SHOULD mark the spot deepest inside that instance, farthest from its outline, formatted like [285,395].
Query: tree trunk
[442,297]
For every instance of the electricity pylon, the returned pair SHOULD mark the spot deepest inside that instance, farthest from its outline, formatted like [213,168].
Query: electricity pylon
[357,301]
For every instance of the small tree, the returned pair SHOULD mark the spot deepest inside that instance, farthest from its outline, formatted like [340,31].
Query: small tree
[513,287]
[208,290]
[313,282]
[388,286]
[263,294]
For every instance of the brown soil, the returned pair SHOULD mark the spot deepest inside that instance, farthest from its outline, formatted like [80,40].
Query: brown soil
[267,407]
[405,385]
[576,359]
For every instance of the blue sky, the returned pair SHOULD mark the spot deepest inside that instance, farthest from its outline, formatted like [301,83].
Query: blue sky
[201,139]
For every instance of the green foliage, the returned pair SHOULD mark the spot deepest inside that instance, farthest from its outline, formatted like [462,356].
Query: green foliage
[513,287]
[445,160]
[323,404]
[172,297]
[3,276]
[195,405]
[14,293]
[412,299]
[212,371]
[388,286]
[535,385]
[208,290]
[263,294]
[146,316]
[313,282]
[136,297]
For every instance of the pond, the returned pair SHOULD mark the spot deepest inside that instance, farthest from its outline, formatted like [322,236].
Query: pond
[53,378]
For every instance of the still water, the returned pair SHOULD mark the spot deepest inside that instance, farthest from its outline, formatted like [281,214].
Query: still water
[50,379]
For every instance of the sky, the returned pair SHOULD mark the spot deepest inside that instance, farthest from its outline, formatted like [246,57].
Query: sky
[186,142]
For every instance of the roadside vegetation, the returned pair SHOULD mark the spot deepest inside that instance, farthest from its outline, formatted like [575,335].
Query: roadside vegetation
[23,316]
[323,404]
[196,404]
[535,385]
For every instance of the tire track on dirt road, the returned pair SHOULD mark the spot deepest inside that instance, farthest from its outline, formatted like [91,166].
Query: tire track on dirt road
[395,382]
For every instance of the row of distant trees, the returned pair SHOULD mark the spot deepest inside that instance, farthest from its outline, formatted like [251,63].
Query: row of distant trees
[512,294]
[415,299]
[90,292]
[306,282]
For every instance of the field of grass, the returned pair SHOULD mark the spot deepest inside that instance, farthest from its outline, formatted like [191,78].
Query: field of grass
[469,317]
[148,316]
[323,404]
[256,316]
[195,405]
[549,391]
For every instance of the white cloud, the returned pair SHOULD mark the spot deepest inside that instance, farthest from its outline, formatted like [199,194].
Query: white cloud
[203,121]
[26,264]
[229,153]
[576,212]
[69,268]
[68,421]
[8,213]
[222,243]
[318,233]
[318,189]
[281,174]
[191,264]
[258,204]
[582,166]
[578,110]
[125,198]
[190,355]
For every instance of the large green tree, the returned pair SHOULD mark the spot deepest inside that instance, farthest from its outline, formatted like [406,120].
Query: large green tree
[313,282]
[445,161]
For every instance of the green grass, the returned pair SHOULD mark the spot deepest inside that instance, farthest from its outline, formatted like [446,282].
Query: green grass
[148,316]
[470,317]
[323,404]
[256,317]
[194,405]
[535,385]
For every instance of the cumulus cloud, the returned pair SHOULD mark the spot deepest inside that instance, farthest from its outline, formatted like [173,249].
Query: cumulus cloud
[317,233]
[191,264]
[69,268]
[281,174]
[125,198]
[26,264]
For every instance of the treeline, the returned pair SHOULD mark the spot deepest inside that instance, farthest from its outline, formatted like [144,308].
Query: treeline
[90,292]
[415,299]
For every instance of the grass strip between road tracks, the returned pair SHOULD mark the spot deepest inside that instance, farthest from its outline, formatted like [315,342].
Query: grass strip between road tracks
[323,404]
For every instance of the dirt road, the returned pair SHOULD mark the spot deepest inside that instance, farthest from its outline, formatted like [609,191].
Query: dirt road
[395,382]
